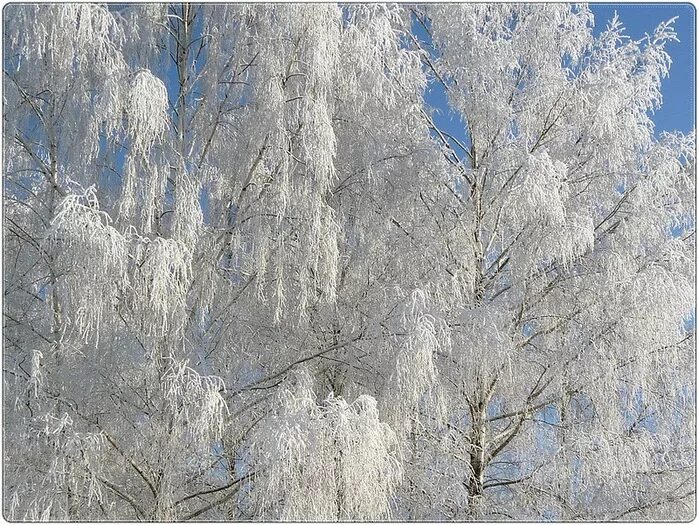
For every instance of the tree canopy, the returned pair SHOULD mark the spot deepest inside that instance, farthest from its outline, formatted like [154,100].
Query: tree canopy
[248,276]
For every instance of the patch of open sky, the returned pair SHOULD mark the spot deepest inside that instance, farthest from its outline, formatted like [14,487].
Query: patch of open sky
[436,99]
[690,321]
[639,19]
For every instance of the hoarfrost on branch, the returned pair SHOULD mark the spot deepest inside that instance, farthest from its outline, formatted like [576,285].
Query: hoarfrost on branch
[248,276]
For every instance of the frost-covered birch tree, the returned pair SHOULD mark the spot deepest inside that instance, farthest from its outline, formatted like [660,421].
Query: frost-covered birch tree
[248,277]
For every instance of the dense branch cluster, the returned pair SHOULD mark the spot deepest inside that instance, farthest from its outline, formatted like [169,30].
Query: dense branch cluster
[249,275]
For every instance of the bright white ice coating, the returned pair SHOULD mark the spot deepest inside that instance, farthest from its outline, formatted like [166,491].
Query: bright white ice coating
[248,276]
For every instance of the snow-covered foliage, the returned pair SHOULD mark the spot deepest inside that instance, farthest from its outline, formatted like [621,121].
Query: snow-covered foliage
[248,276]
[94,254]
[339,452]
[146,108]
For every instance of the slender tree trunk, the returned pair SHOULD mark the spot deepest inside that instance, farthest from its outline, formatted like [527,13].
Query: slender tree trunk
[477,453]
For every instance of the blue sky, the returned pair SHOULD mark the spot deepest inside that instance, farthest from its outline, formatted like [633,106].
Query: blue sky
[678,89]
[677,111]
